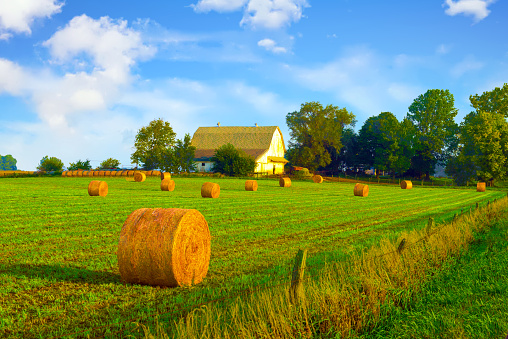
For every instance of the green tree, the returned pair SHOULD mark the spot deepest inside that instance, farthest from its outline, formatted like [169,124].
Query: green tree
[50,164]
[184,154]
[314,131]
[110,163]
[8,163]
[403,147]
[83,165]
[231,161]
[495,101]
[151,144]
[348,155]
[433,116]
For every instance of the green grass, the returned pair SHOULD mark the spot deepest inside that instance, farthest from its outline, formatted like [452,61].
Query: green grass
[58,269]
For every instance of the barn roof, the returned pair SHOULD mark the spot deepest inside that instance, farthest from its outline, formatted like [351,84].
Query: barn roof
[252,140]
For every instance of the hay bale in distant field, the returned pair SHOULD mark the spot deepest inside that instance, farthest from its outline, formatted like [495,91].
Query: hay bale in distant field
[480,187]
[64,173]
[108,173]
[165,175]
[123,173]
[85,173]
[167,185]
[79,173]
[251,185]
[317,179]
[69,174]
[139,177]
[285,182]
[130,173]
[164,247]
[98,188]
[210,190]
[361,190]
[406,184]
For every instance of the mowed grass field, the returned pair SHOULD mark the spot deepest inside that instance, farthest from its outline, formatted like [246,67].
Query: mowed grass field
[58,266]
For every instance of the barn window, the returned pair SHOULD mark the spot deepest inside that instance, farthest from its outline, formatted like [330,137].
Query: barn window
[202,164]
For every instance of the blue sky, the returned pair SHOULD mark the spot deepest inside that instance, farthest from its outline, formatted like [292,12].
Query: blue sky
[79,78]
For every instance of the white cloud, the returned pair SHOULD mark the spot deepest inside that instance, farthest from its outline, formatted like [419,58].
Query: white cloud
[18,15]
[219,5]
[476,8]
[271,46]
[468,64]
[12,77]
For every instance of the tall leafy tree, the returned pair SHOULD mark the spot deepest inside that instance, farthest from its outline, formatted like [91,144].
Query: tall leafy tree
[231,161]
[79,165]
[314,131]
[347,157]
[495,101]
[8,163]
[110,163]
[184,154]
[433,116]
[50,164]
[403,148]
[151,143]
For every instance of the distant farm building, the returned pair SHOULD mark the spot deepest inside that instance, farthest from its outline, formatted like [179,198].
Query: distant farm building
[264,143]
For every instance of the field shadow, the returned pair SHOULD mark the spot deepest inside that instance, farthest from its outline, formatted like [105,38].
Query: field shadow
[61,273]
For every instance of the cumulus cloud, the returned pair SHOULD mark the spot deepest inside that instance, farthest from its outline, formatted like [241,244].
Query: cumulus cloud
[271,46]
[12,77]
[270,14]
[17,16]
[476,8]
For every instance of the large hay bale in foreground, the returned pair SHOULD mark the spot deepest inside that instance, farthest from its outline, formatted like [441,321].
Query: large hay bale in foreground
[139,177]
[167,185]
[406,184]
[98,188]
[361,190]
[165,175]
[210,190]
[285,182]
[480,187]
[164,247]
[251,185]
[317,179]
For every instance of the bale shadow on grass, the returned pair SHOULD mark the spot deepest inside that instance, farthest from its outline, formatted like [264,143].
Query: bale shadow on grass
[61,273]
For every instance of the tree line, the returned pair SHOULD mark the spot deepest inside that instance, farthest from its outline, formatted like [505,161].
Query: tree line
[323,138]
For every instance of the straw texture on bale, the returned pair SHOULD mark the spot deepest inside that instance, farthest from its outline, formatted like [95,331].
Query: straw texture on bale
[406,184]
[124,173]
[98,188]
[210,190]
[285,182]
[80,173]
[107,173]
[85,173]
[167,185]
[130,173]
[317,179]
[167,247]
[165,175]
[251,185]
[361,190]
[139,177]
[64,173]
[480,187]
[69,174]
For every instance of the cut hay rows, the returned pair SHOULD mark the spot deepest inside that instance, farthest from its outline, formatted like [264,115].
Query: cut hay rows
[285,182]
[165,175]
[98,188]
[317,179]
[164,247]
[251,185]
[480,187]
[210,190]
[139,177]
[167,185]
[361,190]
[406,184]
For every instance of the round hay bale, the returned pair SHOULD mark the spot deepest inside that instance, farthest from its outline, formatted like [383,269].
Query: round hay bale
[406,184]
[64,173]
[165,175]
[167,185]
[251,185]
[107,173]
[98,188]
[480,187]
[130,173]
[69,174]
[90,173]
[85,173]
[167,247]
[317,179]
[361,190]
[285,182]
[139,177]
[210,190]
[123,173]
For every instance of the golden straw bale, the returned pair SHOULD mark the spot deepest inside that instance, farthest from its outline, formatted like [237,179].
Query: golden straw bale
[361,190]
[165,175]
[85,173]
[98,188]
[285,182]
[80,173]
[406,184]
[167,247]
[64,173]
[317,179]
[210,190]
[480,187]
[69,174]
[139,177]
[167,185]
[130,173]
[251,185]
